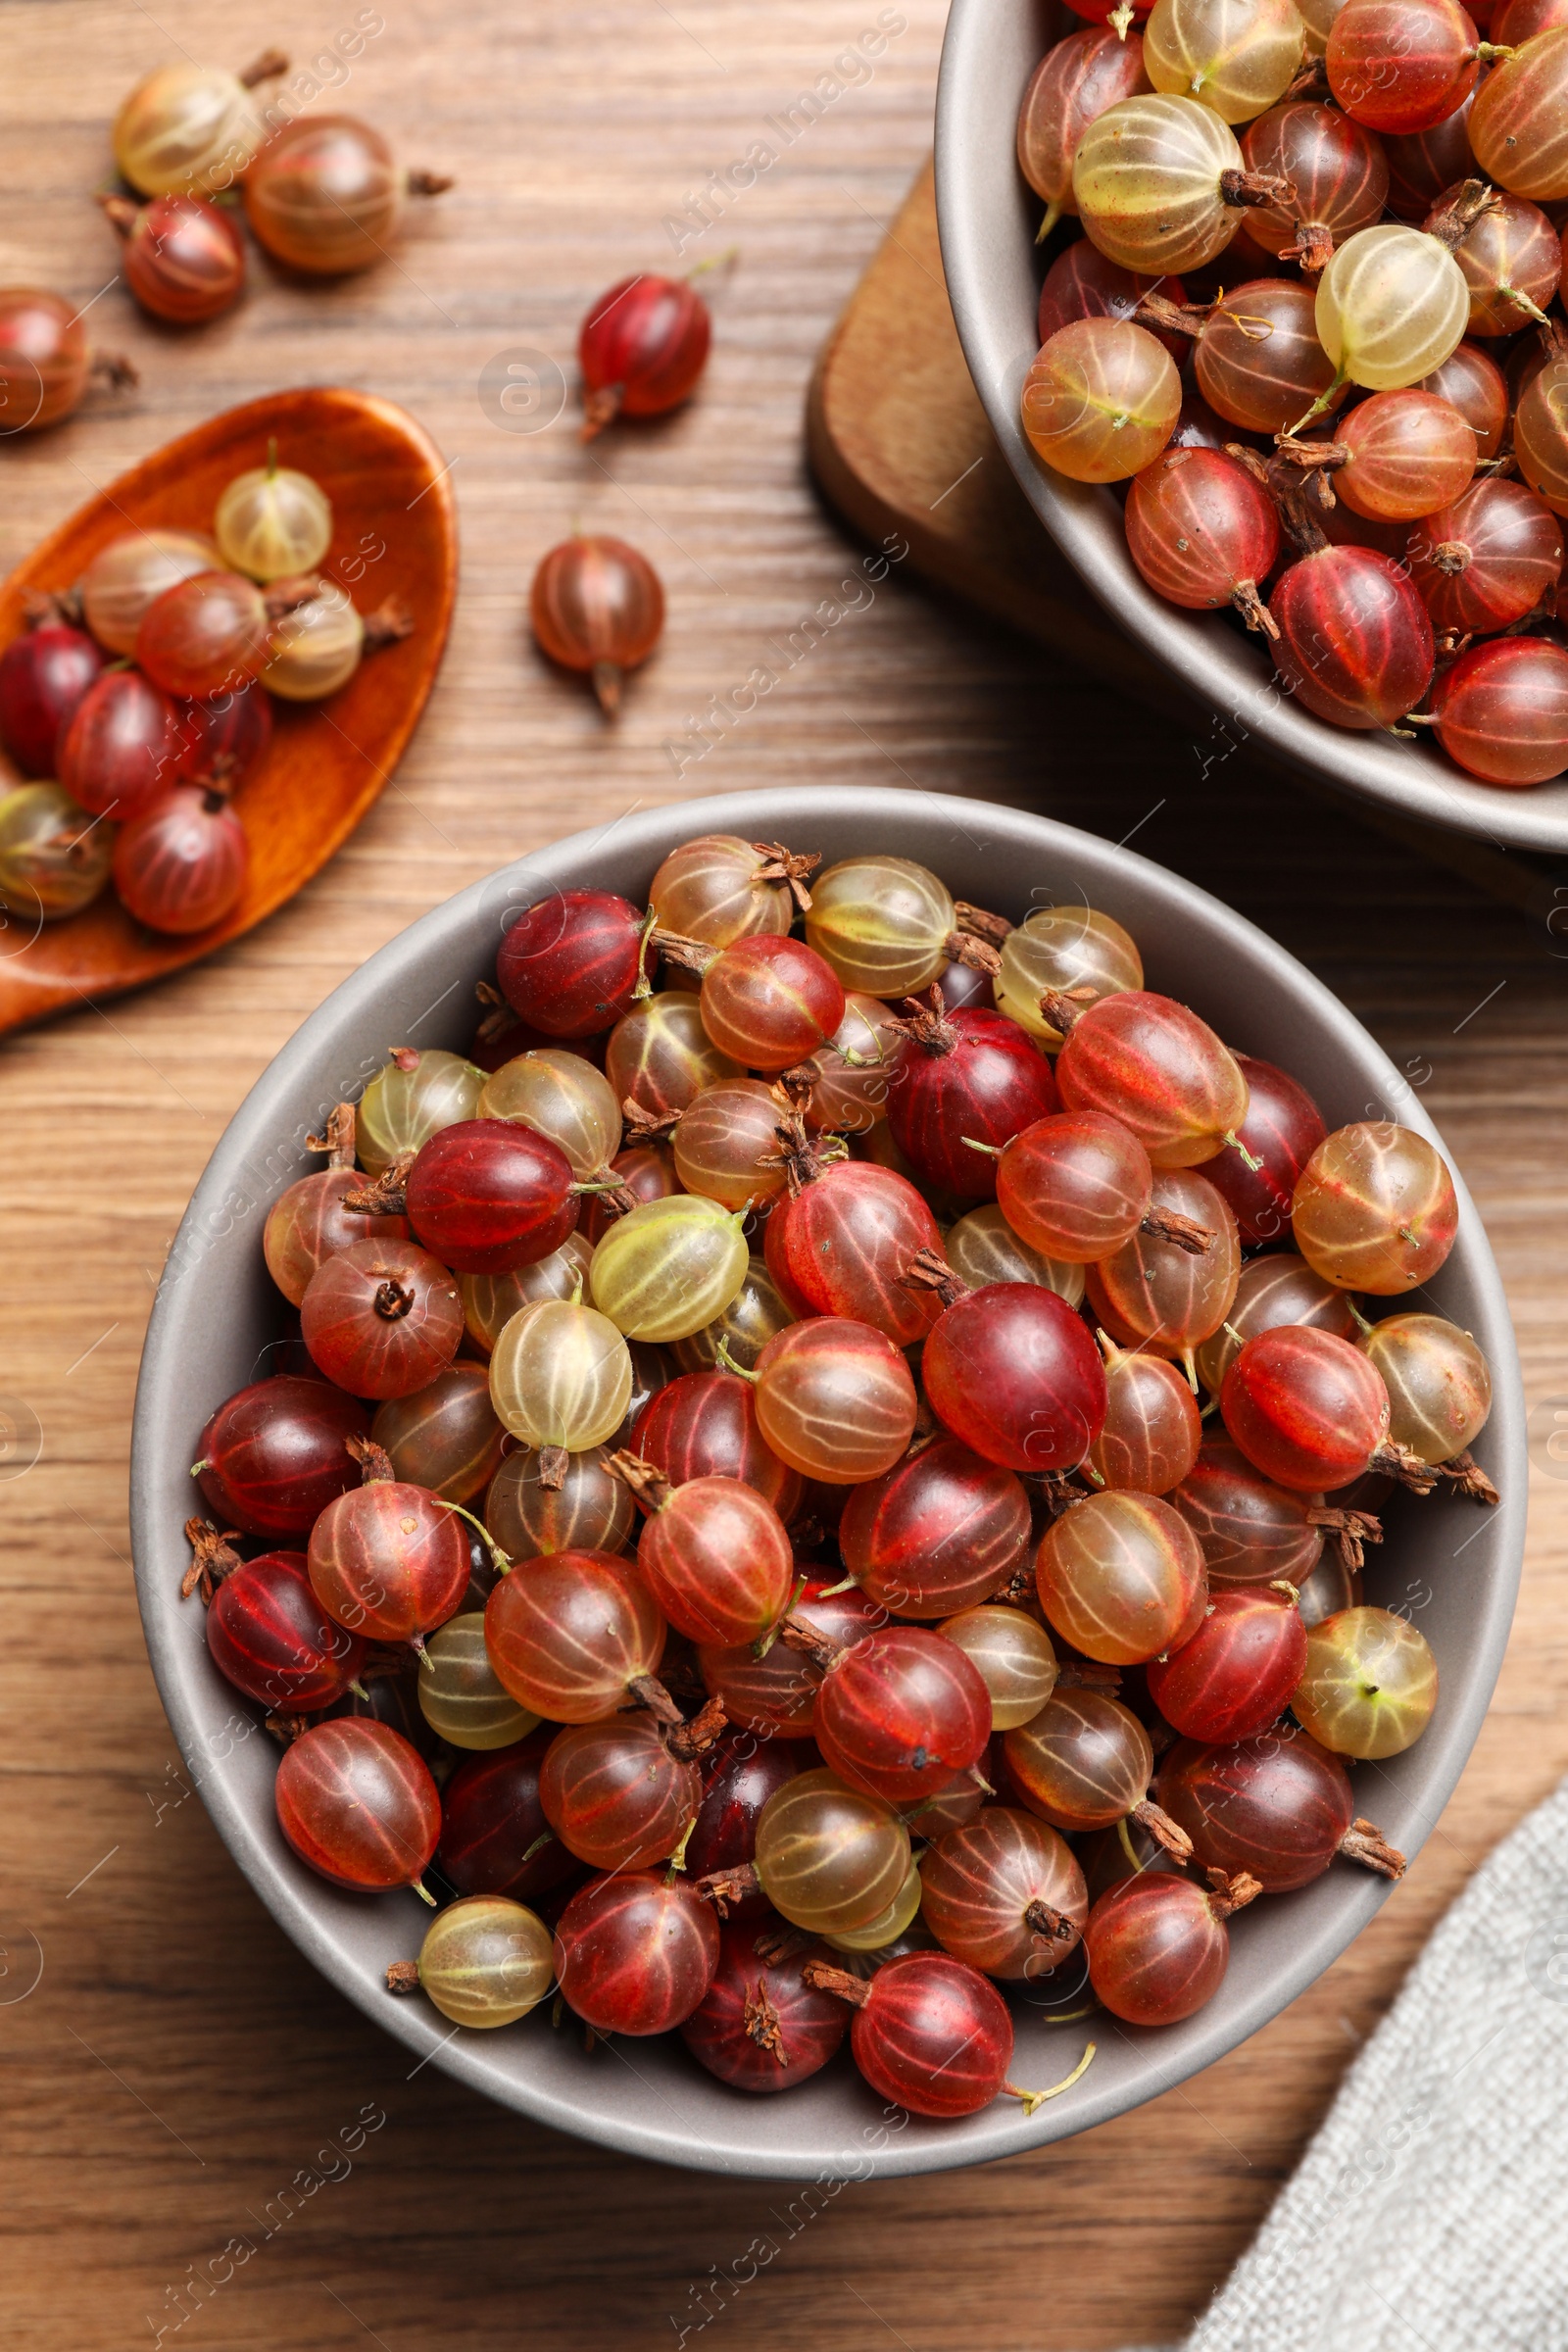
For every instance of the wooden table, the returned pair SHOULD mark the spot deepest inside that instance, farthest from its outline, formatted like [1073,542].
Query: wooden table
[178,2066]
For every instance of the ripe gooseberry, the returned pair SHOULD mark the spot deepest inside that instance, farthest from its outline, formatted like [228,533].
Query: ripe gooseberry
[1014,1656]
[1004,1894]
[1279,1808]
[560,1380]
[1401,66]
[490,1300]
[1281,1131]
[1519,122]
[1076,1186]
[635,1953]
[44,674]
[1251,1531]
[835,1399]
[1075,81]
[274,1454]
[1256,356]
[1153,1064]
[841,1243]
[982,1246]
[1082,284]
[1488,560]
[1013,1372]
[774,1696]
[208,635]
[1406,448]
[1172,1300]
[1148,1440]
[899,1714]
[1120,1577]
[224,739]
[191,128]
[669,1267]
[445,1436]
[641,350]
[624,1793]
[558,1094]
[1076,949]
[719,888]
[888,927]
[458,1694]
[315,647]
[936,1533]
[929,2032]
[1101,400]
[1356,646]
[269,1636]
[118,750]
[1501,711]
[957,1080]
[742,1773]
[487,1195]
[660,1058]
[387,1559]
[182,255]
[1160,184]
[382,1318]
[705,1425]
[1235,56]
[484,1962]
[767,1001]
[1202,533]
[848,1076]
[1440,1390]
[1085,1762]
[597,606]
[494,1836]
[760,2027]
[713,1554]
[130,575]
[182,861]
[274,522]
[828,1856]
[1159,1947]
[570,963]
[357,1802]
[572,1634]
[412,1098]
[1275,1289]
[1306,1409]
[1337,172]
[1510,251]
[1238,1672]
[589,1510]
[1368,1686]
[54,858]
[1540,426]
[728,1144]
[1476,386]
[1375,1208]
[1393,303]
[46,366]
[326,196]
[1422,163]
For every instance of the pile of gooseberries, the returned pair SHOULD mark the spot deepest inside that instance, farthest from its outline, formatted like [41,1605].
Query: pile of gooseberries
[1304,307]
[764,1471]
[138,704]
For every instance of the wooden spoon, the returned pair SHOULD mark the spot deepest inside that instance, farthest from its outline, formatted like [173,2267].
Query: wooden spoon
[394,534]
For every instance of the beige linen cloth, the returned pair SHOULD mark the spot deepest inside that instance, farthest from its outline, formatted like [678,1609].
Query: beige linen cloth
[1432,2207]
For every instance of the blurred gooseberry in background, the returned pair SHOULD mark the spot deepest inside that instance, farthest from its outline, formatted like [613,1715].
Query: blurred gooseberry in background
[597,606]
[642,348]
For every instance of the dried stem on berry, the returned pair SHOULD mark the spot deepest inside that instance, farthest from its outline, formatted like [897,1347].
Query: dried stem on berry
[721,1887]
[1231,1893]
[977,954]
[930,1270]
[403,1976]
[384,1195]
[553,1461]
[780,865]
[1392,1460]
[1160,1827]
[650,1486]
[339,1139]
[688,1741]
[811,1643]
[926,1025]
[1240,189]
[1363,1841]
[1351,1531]
[982,923]
[647,1126]
[827,1979]
[375,1464]
[1452,222]
[388,625]
[1468,1477]
[1185,1233]
[266,67]
[1056,1925]
[692,955]
[216,1558]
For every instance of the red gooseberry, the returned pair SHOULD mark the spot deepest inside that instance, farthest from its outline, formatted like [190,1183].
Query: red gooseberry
[1235,1675]
[357,1802]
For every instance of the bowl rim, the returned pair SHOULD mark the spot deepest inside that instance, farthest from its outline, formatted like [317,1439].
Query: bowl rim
[986,221]
[248,1168]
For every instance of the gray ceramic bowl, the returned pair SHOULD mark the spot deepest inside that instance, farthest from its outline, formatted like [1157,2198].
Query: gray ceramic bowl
[988,219]
[215,1311]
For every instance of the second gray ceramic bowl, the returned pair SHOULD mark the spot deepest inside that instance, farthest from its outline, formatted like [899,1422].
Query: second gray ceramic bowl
[217,1312]
[988,219]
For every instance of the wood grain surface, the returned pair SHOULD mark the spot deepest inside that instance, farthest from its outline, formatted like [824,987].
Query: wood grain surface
[176,2076]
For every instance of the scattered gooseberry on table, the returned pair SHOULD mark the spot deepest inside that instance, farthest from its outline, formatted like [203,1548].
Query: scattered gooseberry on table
[324,195]
[642,348]
[192,128]
[182,255]
[45,364]
[597,606]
